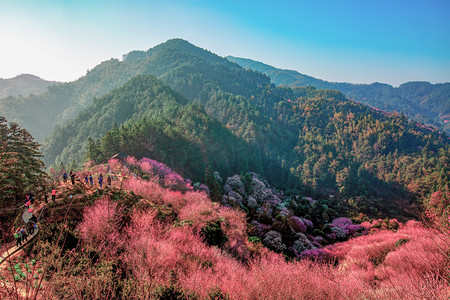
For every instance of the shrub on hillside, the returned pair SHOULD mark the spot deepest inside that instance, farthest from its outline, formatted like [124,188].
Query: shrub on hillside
[100,225]
[213,234]
[273,240]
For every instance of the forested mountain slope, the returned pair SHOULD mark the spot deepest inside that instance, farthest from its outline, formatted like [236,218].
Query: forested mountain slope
[423,101]
[158,122]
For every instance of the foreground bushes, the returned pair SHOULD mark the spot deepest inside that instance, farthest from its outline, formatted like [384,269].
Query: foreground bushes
[175,245]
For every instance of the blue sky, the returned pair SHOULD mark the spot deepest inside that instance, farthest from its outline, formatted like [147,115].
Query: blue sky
[360,41]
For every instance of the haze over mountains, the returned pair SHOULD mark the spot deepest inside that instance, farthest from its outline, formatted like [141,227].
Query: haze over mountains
[24,85]
[420,100]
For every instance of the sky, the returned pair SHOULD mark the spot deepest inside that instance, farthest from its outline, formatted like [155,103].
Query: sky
[361,41]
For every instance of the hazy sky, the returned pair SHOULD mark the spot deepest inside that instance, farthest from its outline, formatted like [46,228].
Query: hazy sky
[359,41]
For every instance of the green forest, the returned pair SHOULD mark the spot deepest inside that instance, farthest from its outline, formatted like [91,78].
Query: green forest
[421,101]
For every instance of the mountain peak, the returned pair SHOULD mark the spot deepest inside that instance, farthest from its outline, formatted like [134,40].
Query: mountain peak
[27,76]
[186,46]
[179,42]
[24,76]
[23,84]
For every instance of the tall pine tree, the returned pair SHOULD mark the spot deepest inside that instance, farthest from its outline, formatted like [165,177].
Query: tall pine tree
[213,185]
[21,169]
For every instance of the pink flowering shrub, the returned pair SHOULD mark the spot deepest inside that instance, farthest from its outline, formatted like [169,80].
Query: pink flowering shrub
[150,190]
[176,199]
[114,165]
[131,161]
[315,254]
[172,255]
[166,176]
[437,211]
[100,225]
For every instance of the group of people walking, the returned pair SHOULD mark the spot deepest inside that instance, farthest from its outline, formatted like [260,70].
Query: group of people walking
[88,179]
[27,230]
[22,233]
[71,175]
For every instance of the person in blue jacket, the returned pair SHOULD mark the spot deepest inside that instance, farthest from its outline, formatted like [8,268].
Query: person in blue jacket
[100,180]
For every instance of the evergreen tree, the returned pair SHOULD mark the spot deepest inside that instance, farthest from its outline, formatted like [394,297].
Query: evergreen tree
[21,167]
[213,185]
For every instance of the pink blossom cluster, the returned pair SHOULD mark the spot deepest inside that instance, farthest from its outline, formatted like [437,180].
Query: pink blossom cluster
[167,177]
[384,265]
[100,225]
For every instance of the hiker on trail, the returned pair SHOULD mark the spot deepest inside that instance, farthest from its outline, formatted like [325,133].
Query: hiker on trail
[33,218]
[65,177]
[18,237]
[91,180]
[45,197]
[86,179]
[53,195]
[72,177]
[33,226]
[23,232]
[100,180]
[28,203]
[30,226]
[109,179]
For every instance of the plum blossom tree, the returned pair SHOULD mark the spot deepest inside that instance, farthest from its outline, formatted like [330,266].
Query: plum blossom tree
[100,225]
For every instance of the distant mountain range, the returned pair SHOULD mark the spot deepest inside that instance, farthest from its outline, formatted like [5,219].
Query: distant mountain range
[41,111]
[422,101]
[24,85]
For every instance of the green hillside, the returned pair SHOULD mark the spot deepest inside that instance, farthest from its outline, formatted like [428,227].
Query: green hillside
[154,121]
